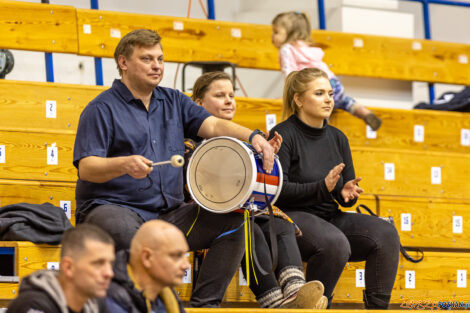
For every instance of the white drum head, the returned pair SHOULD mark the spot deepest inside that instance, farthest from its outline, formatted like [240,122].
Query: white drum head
[221,174]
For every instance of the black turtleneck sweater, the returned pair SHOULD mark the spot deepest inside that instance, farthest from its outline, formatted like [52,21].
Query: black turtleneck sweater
[307,155]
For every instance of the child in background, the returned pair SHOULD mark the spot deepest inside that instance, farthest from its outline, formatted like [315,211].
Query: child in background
[291,34]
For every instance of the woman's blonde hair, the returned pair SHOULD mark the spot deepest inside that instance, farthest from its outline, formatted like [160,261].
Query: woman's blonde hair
[297,83]
[296,25]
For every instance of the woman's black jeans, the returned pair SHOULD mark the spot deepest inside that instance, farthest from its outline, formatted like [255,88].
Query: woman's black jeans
[327,246]
[288,256]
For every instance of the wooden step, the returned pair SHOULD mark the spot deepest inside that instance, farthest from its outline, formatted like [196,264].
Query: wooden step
[21,258]
[58,28]
[439,131]
[37,156]
[412,173]
[38,27]
[60,194]
[435,279]
[430,223]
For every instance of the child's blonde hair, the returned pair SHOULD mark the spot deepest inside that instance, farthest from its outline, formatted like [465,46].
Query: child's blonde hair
[296,25]
[297,83]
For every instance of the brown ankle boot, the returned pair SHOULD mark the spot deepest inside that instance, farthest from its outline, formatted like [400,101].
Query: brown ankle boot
[307,297]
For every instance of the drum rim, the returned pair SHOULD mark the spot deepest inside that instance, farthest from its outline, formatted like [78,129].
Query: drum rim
[281,179]
[251,181]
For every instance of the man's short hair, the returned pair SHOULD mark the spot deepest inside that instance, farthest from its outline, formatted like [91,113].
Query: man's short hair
[74,239]
[139,38]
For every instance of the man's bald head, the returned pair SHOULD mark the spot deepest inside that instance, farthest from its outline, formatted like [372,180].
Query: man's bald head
[154,234]
[159,248]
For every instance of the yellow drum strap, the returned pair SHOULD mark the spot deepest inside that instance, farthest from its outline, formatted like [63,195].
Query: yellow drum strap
[197,215]
[248,249]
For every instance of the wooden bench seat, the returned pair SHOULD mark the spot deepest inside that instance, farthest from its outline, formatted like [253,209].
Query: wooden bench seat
[31,26]
[60,194]
[412,172]
[57,28]
[27,133]
[25,105]
[26,157]
[249,46]
[21,258]
[435,223]
[442,130]
[257,310]
[435,280]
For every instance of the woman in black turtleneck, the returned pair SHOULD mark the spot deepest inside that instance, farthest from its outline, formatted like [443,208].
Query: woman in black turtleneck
[319,174]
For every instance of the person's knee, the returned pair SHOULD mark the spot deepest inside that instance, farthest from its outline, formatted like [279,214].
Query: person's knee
[341,247]
[229,222]
[388,238]
[120,228]
[336,248]
[284,227]
[231,227]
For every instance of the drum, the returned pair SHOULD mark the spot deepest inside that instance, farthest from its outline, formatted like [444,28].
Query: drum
[225,174]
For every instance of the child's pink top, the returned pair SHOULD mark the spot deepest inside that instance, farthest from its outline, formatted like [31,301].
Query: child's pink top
[299,55]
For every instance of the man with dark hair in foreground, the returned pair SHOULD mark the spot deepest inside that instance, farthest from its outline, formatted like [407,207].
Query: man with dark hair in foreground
[85,272]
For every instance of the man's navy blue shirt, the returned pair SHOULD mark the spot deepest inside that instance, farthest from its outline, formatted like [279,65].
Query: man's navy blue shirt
[116,124]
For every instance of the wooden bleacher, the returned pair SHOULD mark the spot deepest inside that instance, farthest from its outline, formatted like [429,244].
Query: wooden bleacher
[37,191]
[55,28]
[26,133]
[253,310]
[431,215]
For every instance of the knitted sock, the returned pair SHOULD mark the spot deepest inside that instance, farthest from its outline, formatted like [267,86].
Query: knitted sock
[290,280]
[271,299]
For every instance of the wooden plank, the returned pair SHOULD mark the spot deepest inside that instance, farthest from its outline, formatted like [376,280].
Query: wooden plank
[237,292]
[30,191]
[258,310]
[435,279]
[38,27]
[442,130]
[30,257]
[53,28]
[26,156]
[251,112]
[23,105]
[184,290]
[249,46]
[412,172]
[8,290]
[203,39]
[432,220]
[394,58]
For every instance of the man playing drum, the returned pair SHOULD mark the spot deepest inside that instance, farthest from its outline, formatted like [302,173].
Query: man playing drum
[127,128]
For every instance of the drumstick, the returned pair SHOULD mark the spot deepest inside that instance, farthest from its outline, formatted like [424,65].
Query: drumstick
[176,161]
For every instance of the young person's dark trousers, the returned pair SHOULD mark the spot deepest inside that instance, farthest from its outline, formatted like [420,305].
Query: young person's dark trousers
[327,246]
[220,263]
[288,254]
